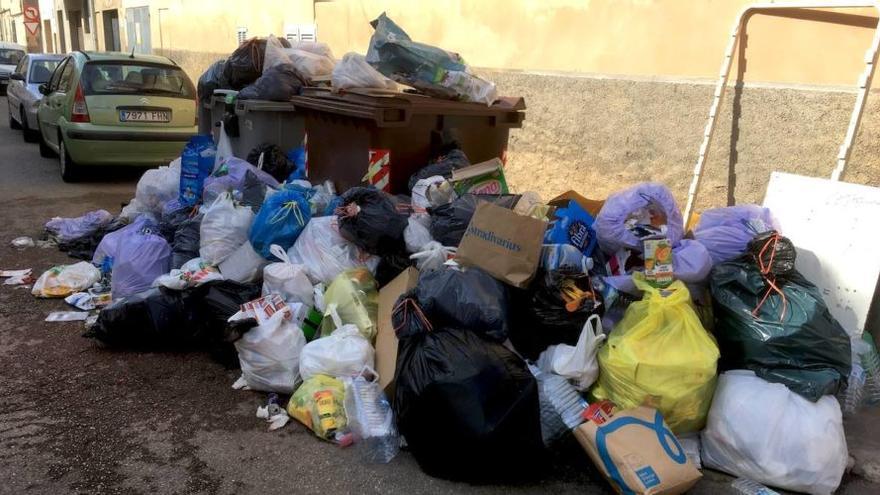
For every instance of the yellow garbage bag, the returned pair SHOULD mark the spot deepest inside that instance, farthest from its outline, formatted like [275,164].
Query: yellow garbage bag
[355,297]
[319,403]
[660,356]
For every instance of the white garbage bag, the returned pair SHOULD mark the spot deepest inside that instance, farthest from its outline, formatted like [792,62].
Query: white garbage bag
[433,256]
[577,363]
[270,352]
[417,233]
[311,59]
[353,71]
[765,432]
[325,253]
[158,186]
[64,280]
[244,265]
[224,229]
[343,353]
[287,279]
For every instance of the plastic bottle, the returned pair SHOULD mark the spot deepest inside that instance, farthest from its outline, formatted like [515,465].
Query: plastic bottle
[746,486]
[565,399]
[871,364]
[373,421]
[851,398]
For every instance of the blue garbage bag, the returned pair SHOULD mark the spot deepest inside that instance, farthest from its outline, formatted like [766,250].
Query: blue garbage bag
[281,219]
[297,156]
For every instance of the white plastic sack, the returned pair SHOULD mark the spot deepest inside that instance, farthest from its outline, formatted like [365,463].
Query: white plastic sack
[311,59]
[325,253]
[158,186]
[193,273]
[417,233]
[765,432]
[470,87]
[353,71]
[287,279]
[432,256]
[244,265]
[64,280]
[343,353]
[224,229]
[224,148]
[577,363]
[269,354]
[420,191]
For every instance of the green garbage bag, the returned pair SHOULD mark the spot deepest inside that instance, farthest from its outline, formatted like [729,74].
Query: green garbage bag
[791,338]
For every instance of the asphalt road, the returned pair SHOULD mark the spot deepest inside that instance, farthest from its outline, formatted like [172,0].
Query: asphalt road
[78,418]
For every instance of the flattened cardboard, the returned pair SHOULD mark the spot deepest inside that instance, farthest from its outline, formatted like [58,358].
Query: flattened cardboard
[591,205]
[386,340]
[634,458]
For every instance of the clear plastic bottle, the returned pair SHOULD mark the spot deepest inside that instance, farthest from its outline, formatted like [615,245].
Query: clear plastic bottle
[372,421]
[871,365]
[560,403]
[851,398]
[746,486]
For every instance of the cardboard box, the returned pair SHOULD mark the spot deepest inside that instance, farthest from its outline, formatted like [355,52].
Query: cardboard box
[638,453]
[386,340]
[591,205]
[483,178]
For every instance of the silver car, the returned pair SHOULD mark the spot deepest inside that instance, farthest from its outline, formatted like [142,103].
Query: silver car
[23,94]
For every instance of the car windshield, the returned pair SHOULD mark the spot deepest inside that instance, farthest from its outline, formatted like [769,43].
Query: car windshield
[121,78]
[41,70]
[10,57]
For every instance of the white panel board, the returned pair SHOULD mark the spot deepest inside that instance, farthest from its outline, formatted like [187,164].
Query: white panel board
[836,229]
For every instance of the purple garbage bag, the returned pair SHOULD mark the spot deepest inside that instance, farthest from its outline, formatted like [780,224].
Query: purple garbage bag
[691,264]
[727,231]
[626,218]
[71,229]
[109,244]
[232,173]
[141,256]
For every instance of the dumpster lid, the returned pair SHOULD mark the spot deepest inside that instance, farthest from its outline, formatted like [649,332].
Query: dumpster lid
[380,98]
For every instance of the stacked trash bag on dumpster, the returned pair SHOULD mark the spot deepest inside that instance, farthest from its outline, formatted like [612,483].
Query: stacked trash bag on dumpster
[481,331]
[476,331]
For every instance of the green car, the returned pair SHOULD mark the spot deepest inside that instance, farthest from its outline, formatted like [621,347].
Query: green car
[115,109]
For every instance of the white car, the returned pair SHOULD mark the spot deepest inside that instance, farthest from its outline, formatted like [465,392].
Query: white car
[23,93]
[10,55]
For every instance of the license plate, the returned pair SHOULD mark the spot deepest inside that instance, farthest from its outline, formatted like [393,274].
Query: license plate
[144,116]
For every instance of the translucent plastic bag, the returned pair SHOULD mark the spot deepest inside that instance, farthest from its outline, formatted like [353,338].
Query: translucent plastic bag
[765,432]
[343,353]
[354,297]
[158,186]
[193,273]
[433,256]
[578,363]
[64,280]
[325,253]
[287,279]
[371,420]
[70,229]
[644,211]
[319,403]
[281,219]
[244,264]
[353,71]
[726,232]
[141,257]
[269,354]
[417,234]
[224,228]
[660,355]
[312,60]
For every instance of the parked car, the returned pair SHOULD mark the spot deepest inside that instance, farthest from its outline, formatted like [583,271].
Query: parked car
[10,55]
[115,109]
[23,94]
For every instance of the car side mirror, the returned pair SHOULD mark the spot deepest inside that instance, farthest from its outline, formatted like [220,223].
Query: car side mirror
[44,89]
[16,76]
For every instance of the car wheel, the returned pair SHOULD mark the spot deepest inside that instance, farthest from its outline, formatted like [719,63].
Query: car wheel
[70,171]
[29,135]
[45,150]
[12,123]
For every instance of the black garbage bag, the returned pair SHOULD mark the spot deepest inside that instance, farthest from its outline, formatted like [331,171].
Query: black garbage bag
[443,166]
[278,83]
[470,299]
[551,312]
[220,302]
[372,220]
[448,222]
[245,64]
[275,162]
[789,338]
[83,248]
[161,318]
[467,406]
[211,79]
[253,191]
[185,245]
[775,253]
[391,266]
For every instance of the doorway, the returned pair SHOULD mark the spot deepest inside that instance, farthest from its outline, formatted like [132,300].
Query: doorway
[74,17]
[111,31]
[61,32]
[48,40]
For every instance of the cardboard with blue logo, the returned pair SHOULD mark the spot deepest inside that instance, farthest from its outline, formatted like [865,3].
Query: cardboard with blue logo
[638,453]
[503,243]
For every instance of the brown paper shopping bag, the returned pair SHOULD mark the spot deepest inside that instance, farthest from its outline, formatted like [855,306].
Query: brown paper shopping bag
[503,243]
